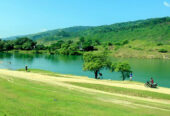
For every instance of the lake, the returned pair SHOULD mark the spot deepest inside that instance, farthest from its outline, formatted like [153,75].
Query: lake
[142,69]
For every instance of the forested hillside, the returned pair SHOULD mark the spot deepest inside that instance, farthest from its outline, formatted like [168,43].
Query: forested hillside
[143,38]
[156,29]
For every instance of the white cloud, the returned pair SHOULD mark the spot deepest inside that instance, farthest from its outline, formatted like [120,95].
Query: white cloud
[166,4]
[43,30]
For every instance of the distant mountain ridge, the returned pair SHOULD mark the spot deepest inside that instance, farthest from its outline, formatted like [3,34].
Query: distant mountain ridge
[155,29]
[51,32]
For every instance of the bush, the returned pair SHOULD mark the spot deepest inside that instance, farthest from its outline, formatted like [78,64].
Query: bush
[64,51]
[75,53]
[117,43]
[163,51]
[40,47]
[130,46]
[125,42]
[159,44]
[109,44]
[88,48]
[116,48]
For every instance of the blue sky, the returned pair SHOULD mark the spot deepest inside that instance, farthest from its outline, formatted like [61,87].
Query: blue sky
[19,17]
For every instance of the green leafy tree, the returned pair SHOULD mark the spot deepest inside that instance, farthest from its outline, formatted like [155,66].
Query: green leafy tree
[74,47]
[95,62]
[24,43]
[1,45]
[69,41]
[27,46]
[97,42]
[40,47]
[122,67]
[125,42]
[8,46]
[57,45]
[18,47]
[82,39]
[65,45]
[63,34]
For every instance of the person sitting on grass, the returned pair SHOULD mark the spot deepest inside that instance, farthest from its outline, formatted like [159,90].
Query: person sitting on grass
[100,76]
[151,81]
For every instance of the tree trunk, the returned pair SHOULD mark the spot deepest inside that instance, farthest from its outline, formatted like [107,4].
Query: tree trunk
[123,76]
[96,74]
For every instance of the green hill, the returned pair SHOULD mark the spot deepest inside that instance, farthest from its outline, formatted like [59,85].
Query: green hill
[151,29]
[155,29]
[148,38]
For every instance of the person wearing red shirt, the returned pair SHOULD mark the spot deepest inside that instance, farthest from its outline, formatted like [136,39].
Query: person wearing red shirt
[152,80]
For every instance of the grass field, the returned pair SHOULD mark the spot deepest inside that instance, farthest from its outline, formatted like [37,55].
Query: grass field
[138,49]
[28,97]
[133,92]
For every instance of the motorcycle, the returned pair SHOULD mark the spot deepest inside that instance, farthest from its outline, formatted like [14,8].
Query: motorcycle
[148,84]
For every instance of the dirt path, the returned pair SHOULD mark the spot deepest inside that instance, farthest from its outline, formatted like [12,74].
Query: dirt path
[124,84]
[60,81]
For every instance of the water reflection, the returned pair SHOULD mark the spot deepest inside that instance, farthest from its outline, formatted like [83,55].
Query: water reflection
[143,69]
[24,57]
[59,58]
[5,55]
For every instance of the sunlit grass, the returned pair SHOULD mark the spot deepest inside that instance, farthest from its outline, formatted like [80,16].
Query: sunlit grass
[45,72]
[124,91]
[21,97]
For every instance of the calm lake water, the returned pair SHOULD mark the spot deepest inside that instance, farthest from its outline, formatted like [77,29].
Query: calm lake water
[143,69]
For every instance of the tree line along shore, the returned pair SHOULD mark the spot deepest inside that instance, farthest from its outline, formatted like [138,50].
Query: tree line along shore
[82,45]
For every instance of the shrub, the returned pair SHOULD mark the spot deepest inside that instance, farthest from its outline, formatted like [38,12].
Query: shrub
[159,44]
[117,43]
[116,48]
[75,53]
[125,42]
[88,48]
[163,51]
[109,44]
[130,46]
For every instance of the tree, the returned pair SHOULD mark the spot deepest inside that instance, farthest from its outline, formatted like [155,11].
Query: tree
[122,67]
[18,47]
[125,42]
[97,42]
[8,46]
[82,40]
[69,41]
[40,47]
[88,48]
[87,45]
[57,45]
[95,62]
[1,45]
[27,46]
[63,34]
[24,43]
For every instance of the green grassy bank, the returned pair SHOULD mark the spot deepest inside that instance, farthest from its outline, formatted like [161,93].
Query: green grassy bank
[20,97]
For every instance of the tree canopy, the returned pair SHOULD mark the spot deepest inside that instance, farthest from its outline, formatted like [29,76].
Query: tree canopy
[95,62]
[24,43]
[122,67]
